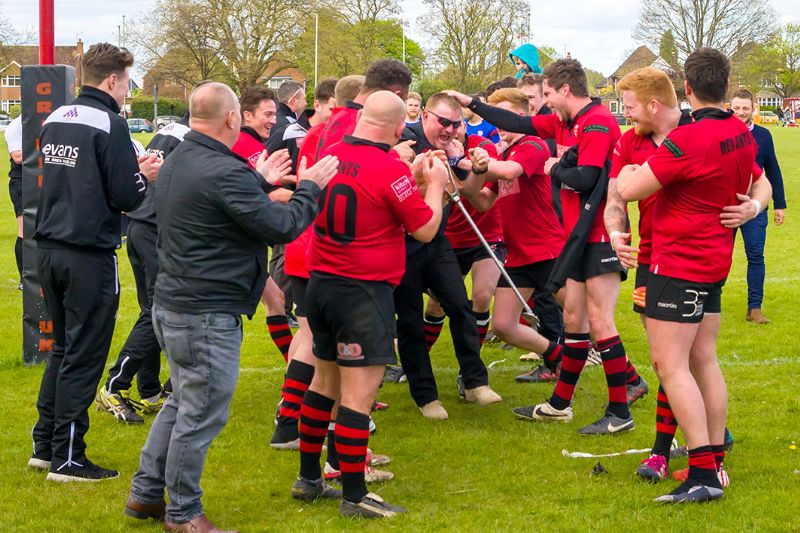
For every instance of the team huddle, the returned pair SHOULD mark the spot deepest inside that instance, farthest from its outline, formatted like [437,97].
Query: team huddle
[524,188]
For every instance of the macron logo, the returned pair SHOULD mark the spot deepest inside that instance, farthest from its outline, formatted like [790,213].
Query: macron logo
[72,113]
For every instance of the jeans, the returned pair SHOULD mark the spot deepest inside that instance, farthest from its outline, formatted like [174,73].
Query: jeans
[754,234]
[203,355]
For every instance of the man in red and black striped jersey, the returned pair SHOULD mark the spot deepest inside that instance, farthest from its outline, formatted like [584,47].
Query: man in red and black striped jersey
[699,170]
[356,259]
[585,134]
[649,100]
[521,192]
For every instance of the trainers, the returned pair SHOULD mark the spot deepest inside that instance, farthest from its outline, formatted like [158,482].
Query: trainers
[691,491]
[152,405]
[118,404]
[40,461]
[540,374]
[460,386]
[594,357]
[308,490]
[434,410]
[375,459]
[72,471]
[370,506]
[393,374]
[722,475]
[371,475]
[634,392]
[285,437]
[545,412]
[655,468]
[482,395]
[607,425]
[379,406]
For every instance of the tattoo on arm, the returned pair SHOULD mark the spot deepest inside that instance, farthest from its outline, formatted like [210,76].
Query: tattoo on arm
[615,217]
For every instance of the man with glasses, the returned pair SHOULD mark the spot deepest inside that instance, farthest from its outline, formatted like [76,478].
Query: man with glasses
[433,267]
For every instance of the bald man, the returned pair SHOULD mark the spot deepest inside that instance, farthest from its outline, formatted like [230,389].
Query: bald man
[356,259]
[214,225]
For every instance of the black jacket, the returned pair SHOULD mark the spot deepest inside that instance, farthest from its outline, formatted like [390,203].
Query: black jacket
[286,132]
[214,225]
[89,175]
[163,143]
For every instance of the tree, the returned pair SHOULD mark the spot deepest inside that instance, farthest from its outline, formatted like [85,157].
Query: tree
[473,39]
[720,24]
[593,78]
[776,64]
[668,50]
[11,36]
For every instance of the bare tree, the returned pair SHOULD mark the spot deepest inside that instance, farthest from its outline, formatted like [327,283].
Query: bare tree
[721,24]
[11,36]
[473,38]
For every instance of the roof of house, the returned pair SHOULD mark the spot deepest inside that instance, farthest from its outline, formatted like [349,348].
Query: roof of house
[641,57]
[29,55]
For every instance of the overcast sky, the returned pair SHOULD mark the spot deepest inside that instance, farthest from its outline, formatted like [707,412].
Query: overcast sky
[597,32]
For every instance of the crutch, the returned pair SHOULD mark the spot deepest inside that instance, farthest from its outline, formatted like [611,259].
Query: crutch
[455,196]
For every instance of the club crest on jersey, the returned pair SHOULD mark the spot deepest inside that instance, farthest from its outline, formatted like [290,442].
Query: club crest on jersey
[403,188]
[253,159]
[350,351]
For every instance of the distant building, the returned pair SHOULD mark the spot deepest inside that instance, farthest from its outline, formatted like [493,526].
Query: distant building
[19,56]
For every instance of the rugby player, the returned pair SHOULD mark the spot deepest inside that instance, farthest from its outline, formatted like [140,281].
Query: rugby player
[699,170]
[356,258]
[588,265]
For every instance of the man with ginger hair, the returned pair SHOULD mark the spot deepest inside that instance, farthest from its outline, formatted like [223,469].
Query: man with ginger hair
[215,222]
[355,260]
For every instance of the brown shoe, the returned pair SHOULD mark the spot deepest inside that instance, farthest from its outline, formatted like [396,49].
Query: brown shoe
[198,524]
[143,511]
[756,317]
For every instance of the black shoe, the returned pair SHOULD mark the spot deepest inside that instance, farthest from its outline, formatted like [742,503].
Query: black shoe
[86,471]
[286,435]
[691,491]
[40,461]
[308,490]
[540,374]
[370,506]
[610,423]
[393,374]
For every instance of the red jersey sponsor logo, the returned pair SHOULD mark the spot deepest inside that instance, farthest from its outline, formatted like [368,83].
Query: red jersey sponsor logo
[403,188]
[253,159]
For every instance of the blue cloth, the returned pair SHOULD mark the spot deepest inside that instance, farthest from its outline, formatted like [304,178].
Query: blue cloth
[754,234]
[767,160]
[483,129]
[530,56]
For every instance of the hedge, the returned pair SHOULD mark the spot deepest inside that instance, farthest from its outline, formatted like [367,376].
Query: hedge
[142,107]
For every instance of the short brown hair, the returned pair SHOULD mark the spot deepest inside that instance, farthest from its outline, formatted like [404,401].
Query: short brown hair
[707,71]
[743,94]
[530,78]
[444,98]
[326,89]
[506,83]
[253,96]
[515,97]
[414,96]
[103,60]
[348,88]
[387,74]
[648,84]
[567,72]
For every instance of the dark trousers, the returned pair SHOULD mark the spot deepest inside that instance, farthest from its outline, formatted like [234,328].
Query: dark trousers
[551,321]
[754,233]
[434,267]
[141,353]
[283,280]
[81,290]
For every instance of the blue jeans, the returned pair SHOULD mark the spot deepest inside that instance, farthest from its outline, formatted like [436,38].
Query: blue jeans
[754,234]
[203,355]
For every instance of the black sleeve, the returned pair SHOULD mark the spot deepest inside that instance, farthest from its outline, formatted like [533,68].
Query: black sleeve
[505,120]
[581,178]
[275,140]
[773,172]
[125,186]
[241,197]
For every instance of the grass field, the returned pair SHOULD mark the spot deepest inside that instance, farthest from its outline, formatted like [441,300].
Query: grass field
[482,470]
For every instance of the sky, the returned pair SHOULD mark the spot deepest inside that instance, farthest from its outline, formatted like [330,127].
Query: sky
[597,32]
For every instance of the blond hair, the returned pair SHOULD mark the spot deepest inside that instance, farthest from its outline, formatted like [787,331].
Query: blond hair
[515,97]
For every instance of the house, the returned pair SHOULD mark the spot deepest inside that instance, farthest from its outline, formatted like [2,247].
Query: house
[19,56]
[640,58]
